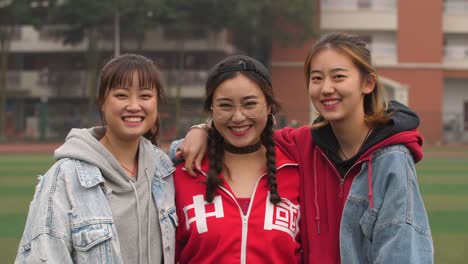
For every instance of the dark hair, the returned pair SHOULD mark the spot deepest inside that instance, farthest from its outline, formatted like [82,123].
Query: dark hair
[375,104]
[119,72]
[255,71]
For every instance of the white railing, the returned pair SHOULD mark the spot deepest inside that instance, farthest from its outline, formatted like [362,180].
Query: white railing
[382,50]
[48,82]
[353,5]
[456,52]
[459,7]
[188,78]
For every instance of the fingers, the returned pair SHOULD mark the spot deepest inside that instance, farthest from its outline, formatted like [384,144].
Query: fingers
[178,154]
[193,150]
[189,164]
[199,157]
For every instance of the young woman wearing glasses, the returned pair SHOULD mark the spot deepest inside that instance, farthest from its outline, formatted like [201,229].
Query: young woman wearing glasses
[243,204]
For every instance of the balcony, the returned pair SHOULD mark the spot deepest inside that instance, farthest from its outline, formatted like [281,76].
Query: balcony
[356,5]
[456,56]
[456,7]
[61,83]
[46,84]
[354,15]
[28,39]
[455,16]
[383,54]
[192,83]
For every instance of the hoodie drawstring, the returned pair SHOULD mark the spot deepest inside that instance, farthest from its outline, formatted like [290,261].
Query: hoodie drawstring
[139,221]
[149,215]
[369,182]
[317,211]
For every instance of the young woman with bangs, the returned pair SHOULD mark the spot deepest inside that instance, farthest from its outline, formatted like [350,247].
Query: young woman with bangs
[109,197]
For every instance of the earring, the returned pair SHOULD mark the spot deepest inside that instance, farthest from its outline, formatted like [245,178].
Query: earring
[209,122]
[273,119]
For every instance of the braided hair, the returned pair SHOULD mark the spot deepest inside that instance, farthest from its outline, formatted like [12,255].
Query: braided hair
[269,143]
[215,157]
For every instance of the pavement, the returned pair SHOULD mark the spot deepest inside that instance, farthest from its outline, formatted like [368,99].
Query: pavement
[28,148]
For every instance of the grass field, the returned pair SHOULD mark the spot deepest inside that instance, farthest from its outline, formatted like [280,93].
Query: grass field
[443,178]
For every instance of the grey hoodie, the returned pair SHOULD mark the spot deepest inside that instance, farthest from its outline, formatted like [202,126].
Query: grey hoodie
[134,213]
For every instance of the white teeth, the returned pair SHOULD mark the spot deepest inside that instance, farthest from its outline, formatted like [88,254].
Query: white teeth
[133,119]
[239,129]
[331,102]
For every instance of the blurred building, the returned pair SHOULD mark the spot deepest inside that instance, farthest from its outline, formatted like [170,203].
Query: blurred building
[420,48]
[47,81]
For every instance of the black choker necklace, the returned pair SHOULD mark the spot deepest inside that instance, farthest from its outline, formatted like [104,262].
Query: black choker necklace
[242,150]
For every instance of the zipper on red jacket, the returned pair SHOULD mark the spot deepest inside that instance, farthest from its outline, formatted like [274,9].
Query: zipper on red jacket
[341,187]
[245,217]
[341,179]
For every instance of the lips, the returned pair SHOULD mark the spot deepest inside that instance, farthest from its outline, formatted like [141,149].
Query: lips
[133,119]
[240,130]
[330,103]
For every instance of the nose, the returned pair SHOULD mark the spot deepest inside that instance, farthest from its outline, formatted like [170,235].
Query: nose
[238,115]
[328,86]
[133,104]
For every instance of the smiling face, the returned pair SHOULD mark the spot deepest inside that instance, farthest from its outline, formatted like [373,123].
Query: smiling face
[130,110]
[336,87]
[240,111]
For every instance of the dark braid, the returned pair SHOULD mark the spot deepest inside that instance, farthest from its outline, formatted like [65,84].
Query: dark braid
[269,143]
[215,157]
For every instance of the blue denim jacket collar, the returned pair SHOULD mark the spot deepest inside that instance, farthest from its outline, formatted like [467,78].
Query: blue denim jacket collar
[89,176]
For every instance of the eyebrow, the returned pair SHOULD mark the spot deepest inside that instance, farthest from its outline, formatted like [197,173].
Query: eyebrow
[128,88]
[243,98]
[332,70]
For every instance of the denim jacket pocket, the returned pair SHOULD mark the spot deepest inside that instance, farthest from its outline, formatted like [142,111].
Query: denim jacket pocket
[86,237]
[367,222]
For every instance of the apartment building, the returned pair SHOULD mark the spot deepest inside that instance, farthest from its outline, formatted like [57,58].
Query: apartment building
[47,81]
[420,49]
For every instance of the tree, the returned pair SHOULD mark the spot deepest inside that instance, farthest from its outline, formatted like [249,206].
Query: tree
[253,24]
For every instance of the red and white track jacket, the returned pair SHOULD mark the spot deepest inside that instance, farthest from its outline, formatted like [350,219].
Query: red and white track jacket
[219,232]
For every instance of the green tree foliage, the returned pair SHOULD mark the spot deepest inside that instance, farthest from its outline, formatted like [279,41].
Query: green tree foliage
[253,24]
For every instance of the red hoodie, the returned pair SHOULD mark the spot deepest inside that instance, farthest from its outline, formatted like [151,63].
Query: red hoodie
[324,191]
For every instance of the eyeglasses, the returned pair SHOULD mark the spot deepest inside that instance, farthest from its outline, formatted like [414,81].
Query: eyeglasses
[225,110]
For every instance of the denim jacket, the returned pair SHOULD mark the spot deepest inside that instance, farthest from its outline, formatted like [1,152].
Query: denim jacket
[396,228]
[70,220]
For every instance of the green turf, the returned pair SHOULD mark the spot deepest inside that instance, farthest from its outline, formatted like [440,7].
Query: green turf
[442,174]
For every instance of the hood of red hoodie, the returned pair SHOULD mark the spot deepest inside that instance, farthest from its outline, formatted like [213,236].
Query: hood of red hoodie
[412,139]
